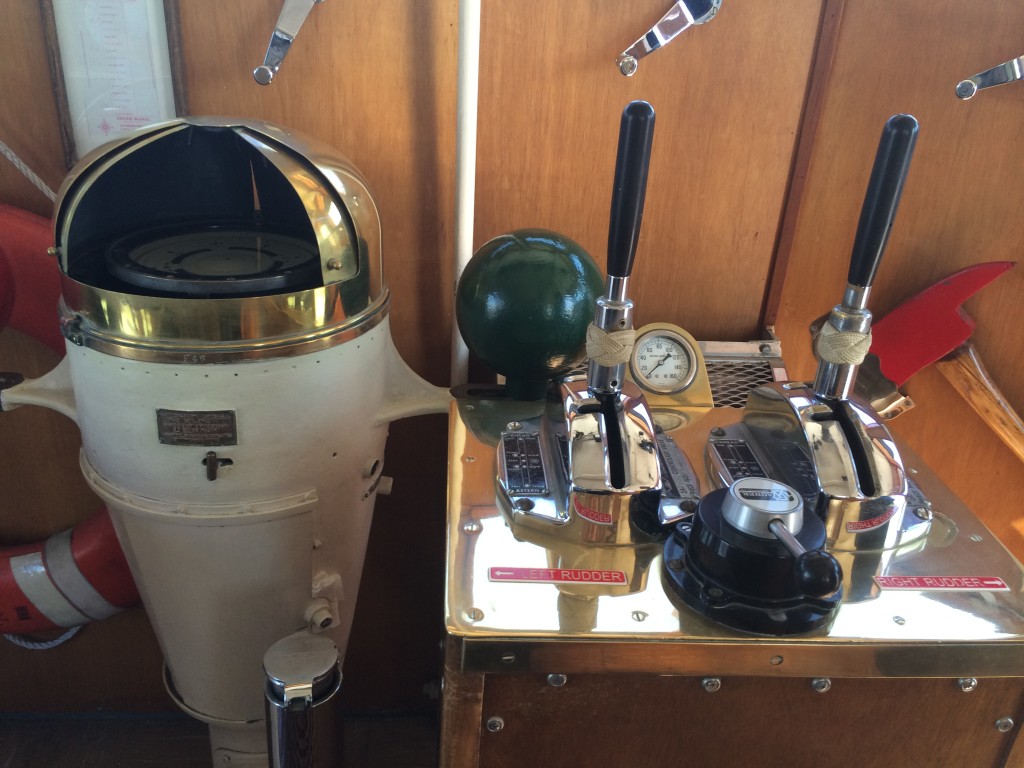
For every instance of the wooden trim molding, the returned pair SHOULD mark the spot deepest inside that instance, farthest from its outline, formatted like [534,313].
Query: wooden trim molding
[817,87]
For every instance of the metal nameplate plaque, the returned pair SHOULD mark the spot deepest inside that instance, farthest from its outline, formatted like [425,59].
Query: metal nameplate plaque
[557,575]
[736,458]
[204,428]
[524,465]
[678,480]
[943,583]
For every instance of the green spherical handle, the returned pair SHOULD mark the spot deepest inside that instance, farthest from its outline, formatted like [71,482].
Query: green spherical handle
[523,306]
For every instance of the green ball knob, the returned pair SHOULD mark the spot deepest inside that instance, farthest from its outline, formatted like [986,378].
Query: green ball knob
[523,306]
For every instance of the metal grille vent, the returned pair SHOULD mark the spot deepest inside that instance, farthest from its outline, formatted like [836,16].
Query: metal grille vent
[731,380]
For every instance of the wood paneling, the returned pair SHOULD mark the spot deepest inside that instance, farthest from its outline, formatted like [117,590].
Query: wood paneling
[28,118]
[628,720]
[961,206]
[43,489]
[728,97]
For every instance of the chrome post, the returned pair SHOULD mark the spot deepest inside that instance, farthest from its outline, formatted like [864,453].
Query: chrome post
[303,678]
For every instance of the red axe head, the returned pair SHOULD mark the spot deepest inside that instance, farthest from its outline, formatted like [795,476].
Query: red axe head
[931,324]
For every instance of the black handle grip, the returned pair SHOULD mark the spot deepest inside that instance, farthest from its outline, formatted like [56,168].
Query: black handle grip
[818,573]
[636,134]
[892,161]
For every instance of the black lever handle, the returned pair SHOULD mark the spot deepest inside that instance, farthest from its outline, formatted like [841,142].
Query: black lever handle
[818,574]
[892,161]
[636,134]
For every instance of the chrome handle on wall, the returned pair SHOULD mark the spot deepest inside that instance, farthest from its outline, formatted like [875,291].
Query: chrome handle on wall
[683,15]
[1004,73]
[293,14]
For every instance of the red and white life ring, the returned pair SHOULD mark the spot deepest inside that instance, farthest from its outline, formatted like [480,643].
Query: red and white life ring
[78,575]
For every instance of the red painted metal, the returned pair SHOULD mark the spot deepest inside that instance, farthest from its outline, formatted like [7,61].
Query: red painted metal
[930,325]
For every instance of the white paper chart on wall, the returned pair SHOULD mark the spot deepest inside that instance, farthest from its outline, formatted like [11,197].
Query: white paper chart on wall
[116,65]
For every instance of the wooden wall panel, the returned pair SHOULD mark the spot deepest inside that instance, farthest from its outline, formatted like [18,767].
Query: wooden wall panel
[728,97]
[770,721]
[961,206]
[28,118]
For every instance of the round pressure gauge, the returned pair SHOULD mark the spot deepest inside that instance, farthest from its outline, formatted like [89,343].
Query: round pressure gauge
[663,361]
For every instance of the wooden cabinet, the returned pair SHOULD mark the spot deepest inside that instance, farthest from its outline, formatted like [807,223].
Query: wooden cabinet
[625,720]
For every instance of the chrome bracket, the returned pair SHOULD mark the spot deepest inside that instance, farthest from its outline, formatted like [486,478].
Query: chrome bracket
[680,17]
[1006,72]
[293,15]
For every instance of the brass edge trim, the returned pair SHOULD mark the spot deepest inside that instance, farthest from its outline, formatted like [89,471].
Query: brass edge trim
[309,185]
[81,330]
[770,659]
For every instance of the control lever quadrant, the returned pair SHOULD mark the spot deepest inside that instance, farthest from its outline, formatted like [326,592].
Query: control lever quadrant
[821,439]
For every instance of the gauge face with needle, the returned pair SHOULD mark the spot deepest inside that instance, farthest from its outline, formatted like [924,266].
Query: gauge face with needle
[663,361]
